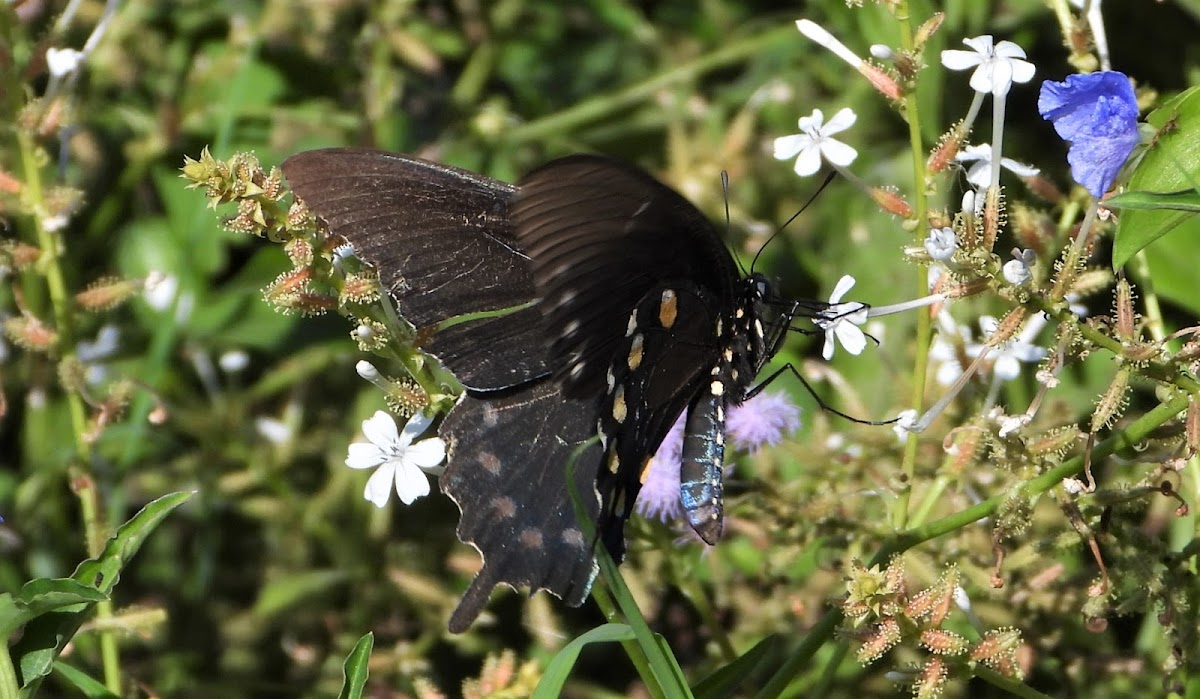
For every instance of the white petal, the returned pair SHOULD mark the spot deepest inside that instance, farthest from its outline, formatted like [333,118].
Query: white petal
[1022,71]
[982,44]
[379,485]
[380,429]
[1002,73]
[982,151]
[1019,169]
[426,454]
[812,122]
[839,290]
[787,147]
[1007,368]
[416,426]
[980,175]
[852,337]
[837,152]
[364,455]
[981,79]
[411,483]
[809,160]
[841,121]
[827,350]
[1007,49]
[960,60]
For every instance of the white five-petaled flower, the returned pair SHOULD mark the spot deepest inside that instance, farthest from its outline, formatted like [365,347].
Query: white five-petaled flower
[980,172]
[841,321]
[996,67]
[815,141]
[398,461]
[941,243]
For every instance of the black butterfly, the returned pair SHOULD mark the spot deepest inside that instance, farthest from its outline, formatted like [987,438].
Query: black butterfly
[627,309]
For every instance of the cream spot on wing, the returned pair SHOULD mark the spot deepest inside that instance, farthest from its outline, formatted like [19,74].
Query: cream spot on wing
[619,408]
[668,309]
[635,352]
[490,462]
[531,538]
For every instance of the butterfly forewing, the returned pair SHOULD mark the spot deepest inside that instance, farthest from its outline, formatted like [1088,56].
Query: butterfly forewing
[444,246]
[600,235]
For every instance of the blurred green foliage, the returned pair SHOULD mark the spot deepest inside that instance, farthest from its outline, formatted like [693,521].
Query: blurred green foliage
[268,577]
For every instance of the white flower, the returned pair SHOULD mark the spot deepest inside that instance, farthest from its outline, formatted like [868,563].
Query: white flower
[941,243]
[996,67]
[233,361]
[273,430]
[1017,270]
[396,458]
[943,353]
[1008,356]
[814,141]
[904,423]
[841,320]
[980,174]
[62,61]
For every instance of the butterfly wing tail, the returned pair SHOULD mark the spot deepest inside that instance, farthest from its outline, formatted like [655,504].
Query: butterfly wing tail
[510,481]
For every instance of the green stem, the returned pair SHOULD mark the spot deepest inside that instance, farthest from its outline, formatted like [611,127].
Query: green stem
[60,301]
[1008,684]
[599,107]
[1137,431]
[924,319]
[9,689]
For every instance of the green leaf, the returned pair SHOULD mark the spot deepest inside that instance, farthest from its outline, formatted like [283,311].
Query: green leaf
[355,670]
[42,596]
[46,635]
[559,669]
[725,680]
[294,588]
[87,685]
[1149,201]
[1172,164]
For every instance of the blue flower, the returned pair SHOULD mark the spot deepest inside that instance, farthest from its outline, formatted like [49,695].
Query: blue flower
[1097,113]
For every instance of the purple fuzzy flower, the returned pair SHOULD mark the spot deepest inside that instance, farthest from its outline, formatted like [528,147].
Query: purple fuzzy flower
[1097,113]
[659,496]
[763,420]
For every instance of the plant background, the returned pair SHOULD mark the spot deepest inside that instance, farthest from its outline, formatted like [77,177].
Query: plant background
[262,583]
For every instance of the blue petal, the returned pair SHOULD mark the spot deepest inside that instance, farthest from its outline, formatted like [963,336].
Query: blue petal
[1097,113]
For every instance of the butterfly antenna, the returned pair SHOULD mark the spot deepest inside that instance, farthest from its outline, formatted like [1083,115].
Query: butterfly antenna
[802,209]
[728,219]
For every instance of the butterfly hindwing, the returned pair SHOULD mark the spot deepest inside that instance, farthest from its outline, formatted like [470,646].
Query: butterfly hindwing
[508,458]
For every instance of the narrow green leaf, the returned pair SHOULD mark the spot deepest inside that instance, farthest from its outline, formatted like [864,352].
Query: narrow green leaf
[355,670]
[46,635]
[87,685]
[293,589]
[725,680]
[40,596]
[1149,201]
[559,669]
